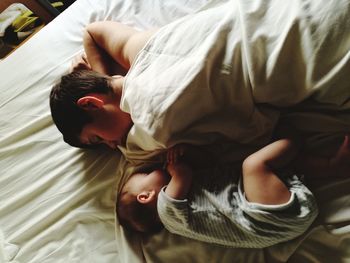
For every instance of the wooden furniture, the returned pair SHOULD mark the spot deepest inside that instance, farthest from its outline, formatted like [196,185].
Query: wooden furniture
[41,8]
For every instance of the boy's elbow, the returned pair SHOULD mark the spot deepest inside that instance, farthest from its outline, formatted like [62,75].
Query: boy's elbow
[91,32]
[85,33]
[93,27]
[88,28]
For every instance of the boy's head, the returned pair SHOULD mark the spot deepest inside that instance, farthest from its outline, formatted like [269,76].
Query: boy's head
[85,108]
[137,202]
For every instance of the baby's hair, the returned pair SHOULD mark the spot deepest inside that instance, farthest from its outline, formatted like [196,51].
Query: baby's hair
[136,216]
[66,114]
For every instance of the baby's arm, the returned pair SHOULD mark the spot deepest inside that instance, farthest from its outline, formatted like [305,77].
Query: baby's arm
[260,182]
[181,173]
[180,182]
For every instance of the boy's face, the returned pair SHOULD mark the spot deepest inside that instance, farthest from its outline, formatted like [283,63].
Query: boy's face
[109,125]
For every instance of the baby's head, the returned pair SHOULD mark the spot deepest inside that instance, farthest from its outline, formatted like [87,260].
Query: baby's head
[137,201]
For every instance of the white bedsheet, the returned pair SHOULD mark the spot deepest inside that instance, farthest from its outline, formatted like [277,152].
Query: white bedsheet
[57,202]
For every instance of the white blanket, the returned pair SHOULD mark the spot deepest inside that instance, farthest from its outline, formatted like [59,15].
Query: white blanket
[226,71]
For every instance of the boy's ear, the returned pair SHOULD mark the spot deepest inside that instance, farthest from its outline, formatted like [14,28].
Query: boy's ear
[146,197]
[90,103]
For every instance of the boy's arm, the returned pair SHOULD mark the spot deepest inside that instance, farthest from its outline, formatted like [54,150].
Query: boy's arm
[260,182]
[180,182]
[111,47]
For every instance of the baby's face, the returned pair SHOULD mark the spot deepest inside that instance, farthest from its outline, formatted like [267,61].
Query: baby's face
[147,182]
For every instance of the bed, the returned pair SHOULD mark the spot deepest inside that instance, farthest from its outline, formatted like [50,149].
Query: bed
[57,202]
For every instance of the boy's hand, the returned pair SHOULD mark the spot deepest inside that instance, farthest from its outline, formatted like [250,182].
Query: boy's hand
[80,62]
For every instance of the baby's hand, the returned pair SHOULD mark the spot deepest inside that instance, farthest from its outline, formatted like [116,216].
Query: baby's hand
[180,182]
[175,153]
[179,170]
[80,62]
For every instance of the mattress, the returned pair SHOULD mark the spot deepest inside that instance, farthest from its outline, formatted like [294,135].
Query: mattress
[57,203]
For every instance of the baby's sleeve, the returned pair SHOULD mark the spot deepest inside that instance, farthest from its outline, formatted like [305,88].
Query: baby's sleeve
[294,216]
[173,213]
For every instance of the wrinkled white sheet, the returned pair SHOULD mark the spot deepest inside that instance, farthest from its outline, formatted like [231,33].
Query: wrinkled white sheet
[57,202]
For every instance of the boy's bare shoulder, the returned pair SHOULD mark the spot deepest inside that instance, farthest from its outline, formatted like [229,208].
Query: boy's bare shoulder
[136,43]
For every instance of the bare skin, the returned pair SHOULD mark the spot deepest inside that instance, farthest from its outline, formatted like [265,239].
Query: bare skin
[111,47]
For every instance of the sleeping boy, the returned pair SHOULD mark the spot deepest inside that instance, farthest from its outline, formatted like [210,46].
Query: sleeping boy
[267,205]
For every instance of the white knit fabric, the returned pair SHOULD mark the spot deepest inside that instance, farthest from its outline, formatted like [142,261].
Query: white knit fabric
[220,214]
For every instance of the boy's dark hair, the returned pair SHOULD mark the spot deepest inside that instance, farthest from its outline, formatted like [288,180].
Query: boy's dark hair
[135,216]
[66,114]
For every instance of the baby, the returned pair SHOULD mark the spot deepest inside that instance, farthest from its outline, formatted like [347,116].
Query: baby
[266,205]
